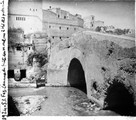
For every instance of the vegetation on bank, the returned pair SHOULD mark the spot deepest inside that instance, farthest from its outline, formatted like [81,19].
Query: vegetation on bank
[42,58]
[116,31]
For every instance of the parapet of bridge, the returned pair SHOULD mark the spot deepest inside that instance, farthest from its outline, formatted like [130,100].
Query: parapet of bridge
[89,59]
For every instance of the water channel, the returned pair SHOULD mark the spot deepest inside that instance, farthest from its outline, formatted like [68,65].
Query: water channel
[61,101]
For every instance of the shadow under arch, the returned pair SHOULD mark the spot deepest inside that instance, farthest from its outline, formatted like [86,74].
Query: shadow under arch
[76,77]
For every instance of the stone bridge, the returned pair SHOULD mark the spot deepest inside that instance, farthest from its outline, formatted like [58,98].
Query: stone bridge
[88,59]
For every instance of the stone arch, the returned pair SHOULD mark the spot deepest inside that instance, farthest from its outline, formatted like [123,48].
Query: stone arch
[76,76]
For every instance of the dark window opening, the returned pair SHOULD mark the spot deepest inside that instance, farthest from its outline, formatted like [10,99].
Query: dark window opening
[30,9]
[49,26]
[60,37]
[10,73]
[58,16]
[74,28]
[23,73]
[60,28]
[29,48]
[65,17]
[53,37]
[24,36]
[18,48]
[67,28]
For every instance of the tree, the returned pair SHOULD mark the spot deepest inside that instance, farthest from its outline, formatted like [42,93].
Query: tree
[126,31]
[119,31]
[13,35]
[98,29]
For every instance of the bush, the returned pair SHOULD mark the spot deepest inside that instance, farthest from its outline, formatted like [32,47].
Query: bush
[15,30]
[41,58]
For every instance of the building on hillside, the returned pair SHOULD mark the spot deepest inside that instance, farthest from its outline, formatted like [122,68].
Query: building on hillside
[98,23]
[29,15]
[110,28]
[91,23]
[25,14]
[60,24]
[131,33]
[18,50]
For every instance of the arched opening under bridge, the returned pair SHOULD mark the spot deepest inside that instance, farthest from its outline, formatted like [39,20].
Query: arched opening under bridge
[76,76]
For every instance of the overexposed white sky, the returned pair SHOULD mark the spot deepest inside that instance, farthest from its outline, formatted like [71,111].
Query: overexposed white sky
[118,14]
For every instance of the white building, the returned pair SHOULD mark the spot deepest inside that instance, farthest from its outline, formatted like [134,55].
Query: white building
[25,14]
[91,23]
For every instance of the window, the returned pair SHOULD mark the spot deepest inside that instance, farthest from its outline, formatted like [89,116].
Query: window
[30,9]
[60,28]
[74,28]
[20,18]
[53,37]
[60,37]
[65,17]
[58,16]
[67,28]
[49,26]
[29,48]
[24,36]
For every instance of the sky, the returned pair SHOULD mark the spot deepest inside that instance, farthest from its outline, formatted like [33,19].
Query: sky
[119,14]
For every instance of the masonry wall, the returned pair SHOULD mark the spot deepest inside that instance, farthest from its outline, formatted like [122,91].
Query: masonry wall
[60,25]
[17,58]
